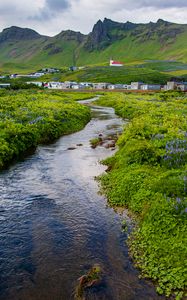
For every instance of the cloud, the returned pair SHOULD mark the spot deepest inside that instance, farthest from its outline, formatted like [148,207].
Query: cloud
[160,3]
[57,5]
[51,8]
[52,16]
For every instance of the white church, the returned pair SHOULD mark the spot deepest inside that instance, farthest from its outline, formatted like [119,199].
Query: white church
[114,63]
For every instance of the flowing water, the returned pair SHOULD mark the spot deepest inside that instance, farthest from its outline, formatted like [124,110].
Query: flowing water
[54,225]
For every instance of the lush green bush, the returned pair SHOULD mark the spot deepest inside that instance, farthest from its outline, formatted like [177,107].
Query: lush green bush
[149,176]
[31,117]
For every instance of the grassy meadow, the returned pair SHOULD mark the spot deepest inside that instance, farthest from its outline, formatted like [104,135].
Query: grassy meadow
[29,118]
[148,175]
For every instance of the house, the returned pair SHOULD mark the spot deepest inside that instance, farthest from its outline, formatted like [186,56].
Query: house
[73,68]
[117,86]
[150,87]
[55,85]
[136,85]
[13,76]
[172,85]
[50,70]
[4,85]
[111,87]
[127,86]
[100,86]
[114,63]
[77,86]
[38,74]
[120,86]
[37,83]
[86,85]
[182,87]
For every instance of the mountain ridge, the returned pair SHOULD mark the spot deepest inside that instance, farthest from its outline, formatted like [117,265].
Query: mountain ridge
[126,41]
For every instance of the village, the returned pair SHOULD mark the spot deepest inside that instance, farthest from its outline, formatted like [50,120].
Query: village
[134,86]
[74,85]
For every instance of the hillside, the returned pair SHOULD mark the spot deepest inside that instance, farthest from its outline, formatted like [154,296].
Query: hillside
[25,49]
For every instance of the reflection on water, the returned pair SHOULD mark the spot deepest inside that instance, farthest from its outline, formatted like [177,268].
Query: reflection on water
[54,225]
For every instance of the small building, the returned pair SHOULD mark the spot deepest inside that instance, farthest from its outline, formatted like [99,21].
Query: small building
[55,85]
[117,86]
[86,85]
[50,70]
[4,85]
[37,83]
[114,63]
[77,86]
[111,87]
[182,87]
[100,86]
[13,76]
[136,85]
[150,87]
[73,68]
[172,85]
[120,86]
[127,86]
[37,74]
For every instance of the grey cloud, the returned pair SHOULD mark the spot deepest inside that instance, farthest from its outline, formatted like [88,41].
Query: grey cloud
[160,4]
[57,5]
[50,9]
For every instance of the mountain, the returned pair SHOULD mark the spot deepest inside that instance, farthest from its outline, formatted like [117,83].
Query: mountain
[25,49]
[15,33]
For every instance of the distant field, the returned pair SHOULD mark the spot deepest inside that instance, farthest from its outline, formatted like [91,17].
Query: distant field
[154,71]
[164,66]
[112,75]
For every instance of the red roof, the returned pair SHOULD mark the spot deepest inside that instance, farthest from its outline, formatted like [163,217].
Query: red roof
[117,63]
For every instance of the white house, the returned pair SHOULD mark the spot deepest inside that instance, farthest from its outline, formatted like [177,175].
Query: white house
[111,87]
[136,85]
[100,85]
[77,86]
[37,83]
[182,87]
[4,85]
[172,85]
[114,63]
[55,85]
[148,87]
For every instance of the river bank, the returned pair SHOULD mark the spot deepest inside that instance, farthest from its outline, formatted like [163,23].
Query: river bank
[55,226]
[148,175]
[30,118]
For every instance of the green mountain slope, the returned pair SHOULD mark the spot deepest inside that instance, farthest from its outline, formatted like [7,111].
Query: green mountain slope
[25,49]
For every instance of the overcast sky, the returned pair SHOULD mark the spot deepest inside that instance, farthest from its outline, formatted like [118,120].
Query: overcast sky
[52,16]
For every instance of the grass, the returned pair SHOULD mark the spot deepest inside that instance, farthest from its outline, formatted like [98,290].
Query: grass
[149,176]
[130,47]
[116,75]
[32,117]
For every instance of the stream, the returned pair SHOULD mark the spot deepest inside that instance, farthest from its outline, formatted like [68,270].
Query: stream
[54,224]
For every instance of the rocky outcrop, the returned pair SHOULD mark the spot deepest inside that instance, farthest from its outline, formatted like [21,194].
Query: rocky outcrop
[106,32]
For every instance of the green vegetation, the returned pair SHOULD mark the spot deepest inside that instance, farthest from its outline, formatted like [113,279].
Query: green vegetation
[125,74]
[149,176]
[95,142]
[92,278]
[25,51]
[31,117]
